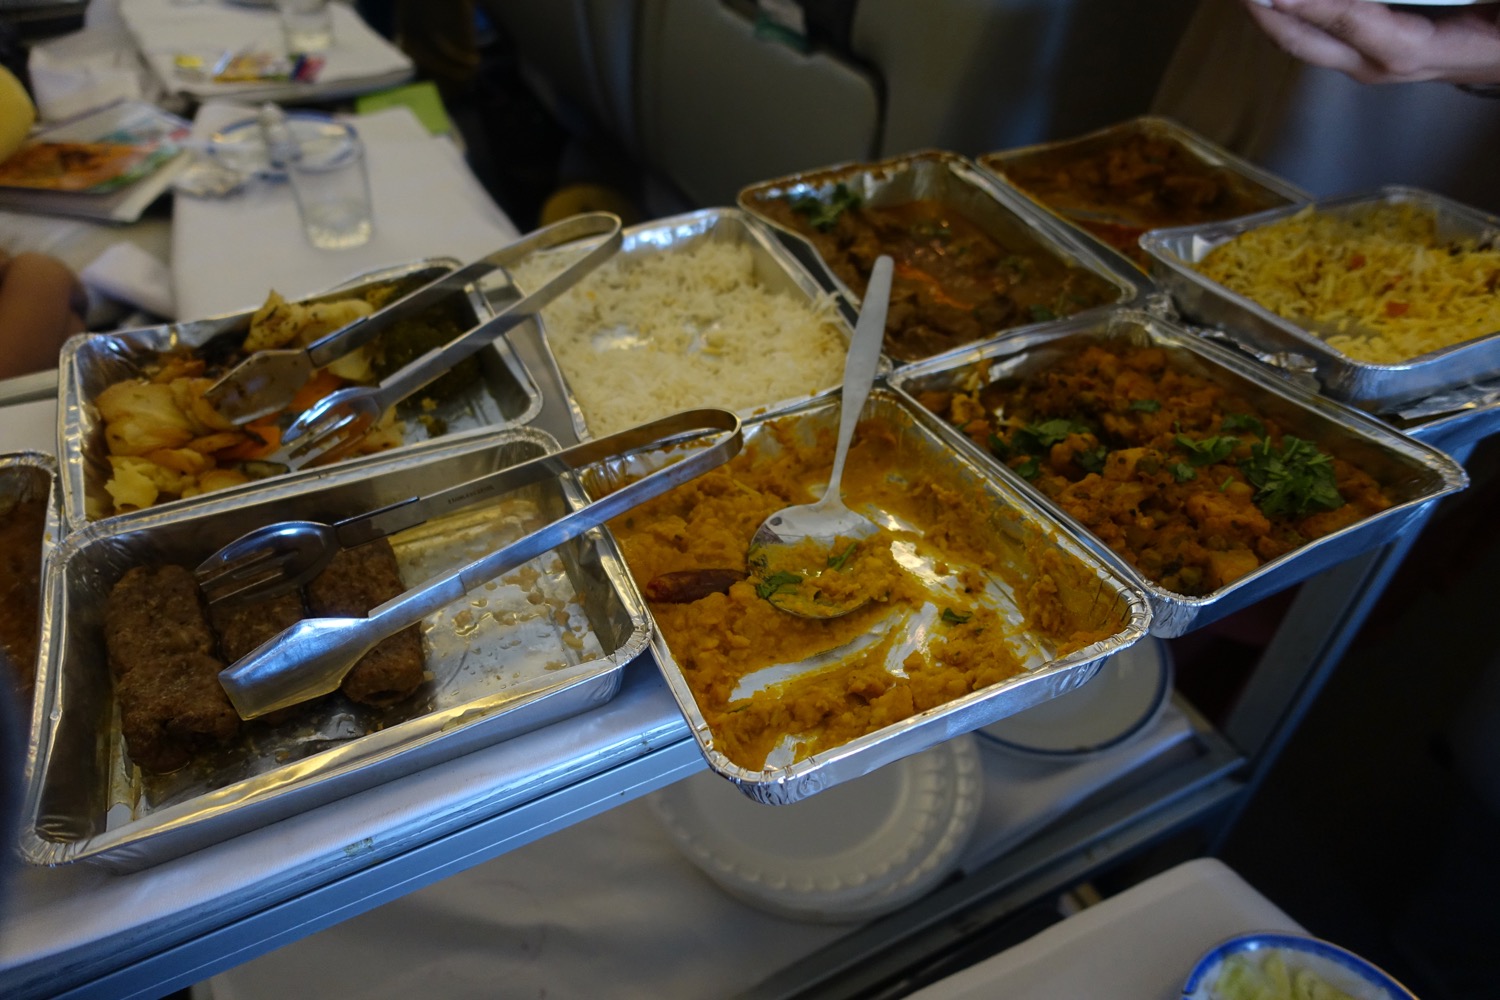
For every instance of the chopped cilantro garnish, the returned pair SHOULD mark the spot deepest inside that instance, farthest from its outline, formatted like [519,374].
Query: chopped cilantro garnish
[1292,480]
[824,215]
[839,560]
[1209,450]
[1092,459]
[998,447]
[1228,480]
[1029,468]
[1037,438]
[1243,422]
[774,583]
[952,617]
[1145,405]
[1184,472]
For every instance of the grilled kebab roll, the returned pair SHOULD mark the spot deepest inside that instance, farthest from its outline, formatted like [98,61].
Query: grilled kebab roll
[355,581]
[244,627]
[161,652]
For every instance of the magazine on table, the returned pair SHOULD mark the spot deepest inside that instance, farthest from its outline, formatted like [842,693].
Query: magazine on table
[108,164]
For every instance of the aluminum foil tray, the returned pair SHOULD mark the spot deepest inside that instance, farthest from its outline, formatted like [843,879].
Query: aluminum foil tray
[504,395]
[1413,474]
[27,477]
[1004,213]
[542,643]
[775,268]
[1378,388]
[1253,188]
[1019,533]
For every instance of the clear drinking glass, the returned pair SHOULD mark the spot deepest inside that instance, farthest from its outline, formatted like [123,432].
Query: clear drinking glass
[307,25]
[332,188]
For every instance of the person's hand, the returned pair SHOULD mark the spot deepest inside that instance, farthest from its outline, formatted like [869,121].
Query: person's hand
[42,304]
[1374,43]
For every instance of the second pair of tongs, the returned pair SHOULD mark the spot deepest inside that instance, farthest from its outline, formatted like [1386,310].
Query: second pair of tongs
[311,658]
[266,381]
[278,558]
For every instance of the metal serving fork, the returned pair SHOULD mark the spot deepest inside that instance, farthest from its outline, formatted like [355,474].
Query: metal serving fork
[280,557]
[266,381]
[311,658]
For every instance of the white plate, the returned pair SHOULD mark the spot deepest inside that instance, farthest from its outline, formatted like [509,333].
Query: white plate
[851,852]
[1127,694]
[241,148]
[1337,967]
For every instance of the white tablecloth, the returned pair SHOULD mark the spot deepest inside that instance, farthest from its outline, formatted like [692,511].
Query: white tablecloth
[228,253]
[610,908]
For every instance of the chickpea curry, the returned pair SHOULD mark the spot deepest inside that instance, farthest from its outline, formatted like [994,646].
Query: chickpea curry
[955,282]
[927,636]
[1169,468]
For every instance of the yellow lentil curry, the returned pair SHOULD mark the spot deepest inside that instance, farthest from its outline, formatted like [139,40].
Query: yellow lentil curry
[687,550]
[1167,467]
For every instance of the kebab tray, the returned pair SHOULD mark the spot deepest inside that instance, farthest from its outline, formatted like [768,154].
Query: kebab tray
[1016,535]
[1379,388]
[1025,230]
[539,644]
[503,394]
[1412,475]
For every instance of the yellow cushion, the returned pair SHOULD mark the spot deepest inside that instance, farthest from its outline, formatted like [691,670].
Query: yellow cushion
[17,113]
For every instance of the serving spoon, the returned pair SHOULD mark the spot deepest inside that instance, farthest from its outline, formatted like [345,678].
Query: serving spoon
[797,546]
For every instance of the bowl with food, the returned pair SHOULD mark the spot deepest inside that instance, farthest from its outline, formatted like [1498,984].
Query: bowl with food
[30,527]
[973,258]
[1387,297]
[980,604]
[1121,181]
[701,309]
[1271,966]
[139,755]
[132,404]
[1211,479]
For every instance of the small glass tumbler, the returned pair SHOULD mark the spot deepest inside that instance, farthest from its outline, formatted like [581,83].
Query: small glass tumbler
[307,25]
[332,188]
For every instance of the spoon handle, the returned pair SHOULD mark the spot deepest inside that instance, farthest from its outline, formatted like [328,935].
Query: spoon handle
[860,365]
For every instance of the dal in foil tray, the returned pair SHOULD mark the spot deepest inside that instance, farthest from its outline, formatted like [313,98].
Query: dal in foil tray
[982,605]
[701,309]
[491,389]
[1119,182]
[1395,291]
[973,257]
[30,528]
[1180,450]
[542,643]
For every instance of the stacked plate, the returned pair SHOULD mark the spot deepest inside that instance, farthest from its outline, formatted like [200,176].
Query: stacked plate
[854,851]
[1119,703]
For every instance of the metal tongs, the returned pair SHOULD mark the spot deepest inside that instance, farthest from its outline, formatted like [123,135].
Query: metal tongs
[311,658]
[266,381]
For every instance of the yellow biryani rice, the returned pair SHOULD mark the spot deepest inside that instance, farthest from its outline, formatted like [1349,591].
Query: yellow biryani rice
[1381,286]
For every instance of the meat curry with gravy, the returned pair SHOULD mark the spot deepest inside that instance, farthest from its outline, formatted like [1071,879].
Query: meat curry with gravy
[955,282]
